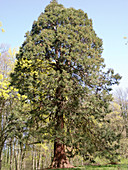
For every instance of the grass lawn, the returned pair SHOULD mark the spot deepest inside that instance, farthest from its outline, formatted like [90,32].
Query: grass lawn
[122,165]
[100,167]
[105,167]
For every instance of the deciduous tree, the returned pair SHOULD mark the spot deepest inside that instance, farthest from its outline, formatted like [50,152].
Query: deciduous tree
[8,99]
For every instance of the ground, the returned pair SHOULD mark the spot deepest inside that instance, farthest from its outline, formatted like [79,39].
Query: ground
[100,167]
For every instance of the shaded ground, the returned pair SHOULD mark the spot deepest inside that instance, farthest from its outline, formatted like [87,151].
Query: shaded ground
[100,167]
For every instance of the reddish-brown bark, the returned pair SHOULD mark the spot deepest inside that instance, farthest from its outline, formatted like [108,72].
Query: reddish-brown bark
[60,159]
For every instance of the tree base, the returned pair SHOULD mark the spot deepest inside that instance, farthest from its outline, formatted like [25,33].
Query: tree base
[61,164]
[60,160]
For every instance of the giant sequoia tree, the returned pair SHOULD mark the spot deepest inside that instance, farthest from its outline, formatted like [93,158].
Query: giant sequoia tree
[60,70]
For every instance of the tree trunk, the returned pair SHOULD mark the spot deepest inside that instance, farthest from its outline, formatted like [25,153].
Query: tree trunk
[0,159]
[0,163]
[21,155]
[36,161]
[11,155]
[1,149]
[126,131]
[60,160]
[15,157]
[33,158]
[40,153]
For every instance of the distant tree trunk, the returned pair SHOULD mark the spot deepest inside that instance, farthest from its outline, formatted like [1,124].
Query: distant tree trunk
[33,158]
[36,161]
[7,155]
[40,156]
[0,161]
[11,155]
[15,158]
[0,164]
[126,131]
[1,149]
[24,165]
[22,155]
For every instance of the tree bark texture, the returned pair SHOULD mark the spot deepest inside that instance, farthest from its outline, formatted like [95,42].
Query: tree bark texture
[60,160]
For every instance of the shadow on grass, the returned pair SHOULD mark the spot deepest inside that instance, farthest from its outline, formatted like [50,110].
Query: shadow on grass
[106,167]
[99,167]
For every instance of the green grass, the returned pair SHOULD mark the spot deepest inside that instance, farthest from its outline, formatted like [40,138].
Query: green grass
[106,167]
[103,165]
[100,167]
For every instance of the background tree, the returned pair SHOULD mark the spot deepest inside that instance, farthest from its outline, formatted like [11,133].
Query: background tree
[121,100]
[8,97]
[60,70]
[7,60]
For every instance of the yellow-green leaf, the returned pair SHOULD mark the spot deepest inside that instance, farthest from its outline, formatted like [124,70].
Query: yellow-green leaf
[0,24]
[3,30]
[1,76]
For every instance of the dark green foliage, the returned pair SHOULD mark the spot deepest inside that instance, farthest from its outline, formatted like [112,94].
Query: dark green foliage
[60,70]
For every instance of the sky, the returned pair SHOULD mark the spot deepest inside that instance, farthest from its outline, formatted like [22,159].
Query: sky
[110,22]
